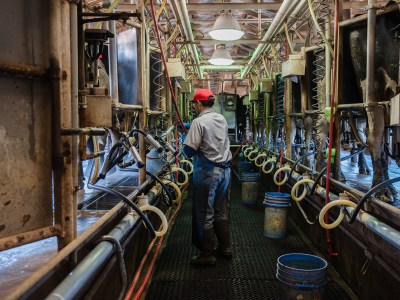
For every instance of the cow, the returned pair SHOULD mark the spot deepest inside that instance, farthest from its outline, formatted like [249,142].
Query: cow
[384,87]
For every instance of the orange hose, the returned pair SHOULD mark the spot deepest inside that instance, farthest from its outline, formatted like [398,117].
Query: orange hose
[139,270]
[129,295]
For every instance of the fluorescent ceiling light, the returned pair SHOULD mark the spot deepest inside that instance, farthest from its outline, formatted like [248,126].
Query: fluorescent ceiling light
[221,57]
[226,28]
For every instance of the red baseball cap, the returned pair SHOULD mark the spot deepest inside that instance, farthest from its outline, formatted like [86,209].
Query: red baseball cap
[203,95]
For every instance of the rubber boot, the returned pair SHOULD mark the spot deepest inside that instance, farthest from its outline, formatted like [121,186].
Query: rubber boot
[223,238]
[206,257]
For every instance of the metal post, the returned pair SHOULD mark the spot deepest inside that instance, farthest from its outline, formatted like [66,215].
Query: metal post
[112,60]
[370,52]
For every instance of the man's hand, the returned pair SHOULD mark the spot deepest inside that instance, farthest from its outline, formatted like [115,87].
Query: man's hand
[186,125]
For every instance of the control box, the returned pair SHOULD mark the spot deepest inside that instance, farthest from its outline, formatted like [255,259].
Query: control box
[176,69]
[294,66]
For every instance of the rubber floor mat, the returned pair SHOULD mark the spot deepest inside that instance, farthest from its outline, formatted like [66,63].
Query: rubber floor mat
[249,275]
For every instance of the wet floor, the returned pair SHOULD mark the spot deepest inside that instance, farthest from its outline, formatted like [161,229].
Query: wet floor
[19,263]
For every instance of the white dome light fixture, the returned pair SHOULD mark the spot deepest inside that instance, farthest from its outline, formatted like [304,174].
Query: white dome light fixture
[221,57]
[226,28]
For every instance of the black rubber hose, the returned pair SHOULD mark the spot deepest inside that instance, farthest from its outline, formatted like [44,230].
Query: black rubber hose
[129,202]
[163,185]
[297,161]
[324,169]
[368,194]
[167,191]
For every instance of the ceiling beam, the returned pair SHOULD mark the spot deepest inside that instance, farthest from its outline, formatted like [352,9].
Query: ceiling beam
[206,42]
[212,21]
[262,6]
[246,6]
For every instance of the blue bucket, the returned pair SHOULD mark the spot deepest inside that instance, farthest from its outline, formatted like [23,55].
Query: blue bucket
[276,214]
[250,184]
[244,166]
[301,276]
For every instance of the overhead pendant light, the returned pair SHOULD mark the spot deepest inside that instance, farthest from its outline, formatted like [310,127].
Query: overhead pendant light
[221,57]
[226,28]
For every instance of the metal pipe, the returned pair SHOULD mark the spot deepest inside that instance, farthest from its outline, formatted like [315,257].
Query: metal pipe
[68,197]
[127,107]
[370,80]
[388,233]
[29,237]
[212,67]
[363,17]
[39,276]
[187,28]
[20,70]
[376,256]
[285,9]
[341,185]
[112,60]
[134,24]
[383,206]
[42,274]
[74,286]
[74,94]
[86,131]
[363,105]
[244,6]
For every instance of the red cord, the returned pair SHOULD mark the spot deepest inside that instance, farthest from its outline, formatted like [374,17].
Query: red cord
[165,66]
[328,167]
[280,166]
[129,295]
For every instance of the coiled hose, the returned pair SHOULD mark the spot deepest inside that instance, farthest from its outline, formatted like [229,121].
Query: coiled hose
[285,168]
[342,201]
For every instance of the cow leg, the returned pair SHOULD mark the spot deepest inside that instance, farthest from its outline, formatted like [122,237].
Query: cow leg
[375,140]
[307,136]
[362,165]
[385,170]
[321,143]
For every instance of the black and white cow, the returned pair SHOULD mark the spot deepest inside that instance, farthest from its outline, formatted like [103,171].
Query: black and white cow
[385,85]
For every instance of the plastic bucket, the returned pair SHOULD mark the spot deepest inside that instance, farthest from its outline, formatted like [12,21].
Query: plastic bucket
[250,187]
[276,214]
[244,166]
[301,276]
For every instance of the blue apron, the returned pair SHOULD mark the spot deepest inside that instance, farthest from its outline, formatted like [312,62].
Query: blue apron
[211,196]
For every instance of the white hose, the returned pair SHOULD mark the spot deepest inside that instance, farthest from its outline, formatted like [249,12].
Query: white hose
[272,161]
[259,156]
[160,214]
[296,186]
[176,169]
[247,151]
[245,147]
[284,168]
[177,190]
[190,165]
[251,154]
[341,215]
